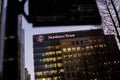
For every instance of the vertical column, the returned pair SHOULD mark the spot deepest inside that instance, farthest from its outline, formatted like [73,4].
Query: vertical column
[10,64]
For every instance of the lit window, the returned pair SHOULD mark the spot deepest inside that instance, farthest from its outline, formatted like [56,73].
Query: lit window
[59,58]
[51,47]
[78,48]
[64,50]
[82,48]
[46,66]
[77,68]
[57,47]
[54,59]
[47,59]
[65,56]
[75,55]
[70,56]
[65,62]
[104,45]
[87,47]
[83,72]
[43,79]
[52,65]
[91,47]
[90,41]
[96,46]
[55,78]
[73,48]
[69,49]
[38,73]
[40,60]
[79,55]
[47,53]
[118,61]
[43,54]
[59,64]
[51,53]
[115,62]
[53,71]
[44,60]
[101,45]
[58,52]
[61,70]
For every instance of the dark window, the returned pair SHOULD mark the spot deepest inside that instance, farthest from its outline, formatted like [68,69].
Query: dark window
[81,42]
[77,42]
[73,74]
[68,68]
[73,42]
[68,75]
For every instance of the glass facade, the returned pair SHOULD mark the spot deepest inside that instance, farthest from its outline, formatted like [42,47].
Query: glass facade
[75,56]
[80,57]
[48,61]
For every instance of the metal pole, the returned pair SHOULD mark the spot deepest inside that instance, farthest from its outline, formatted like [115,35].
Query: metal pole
[2,34]
[10,63]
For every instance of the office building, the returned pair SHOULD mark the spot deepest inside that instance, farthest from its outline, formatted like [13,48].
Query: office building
[77,55]
[63,12]
[21,52]
[27,75]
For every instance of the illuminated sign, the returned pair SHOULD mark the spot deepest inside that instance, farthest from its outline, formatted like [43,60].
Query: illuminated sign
[66,35]
[41,38]
[61,36]
[63,12]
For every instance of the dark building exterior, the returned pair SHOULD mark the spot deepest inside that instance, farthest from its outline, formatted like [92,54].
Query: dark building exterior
[77,55]
[63,12]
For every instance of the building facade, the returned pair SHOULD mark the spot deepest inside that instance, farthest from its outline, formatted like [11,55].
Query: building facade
[21,51]
[27,75]
[77,55]
[63,12]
